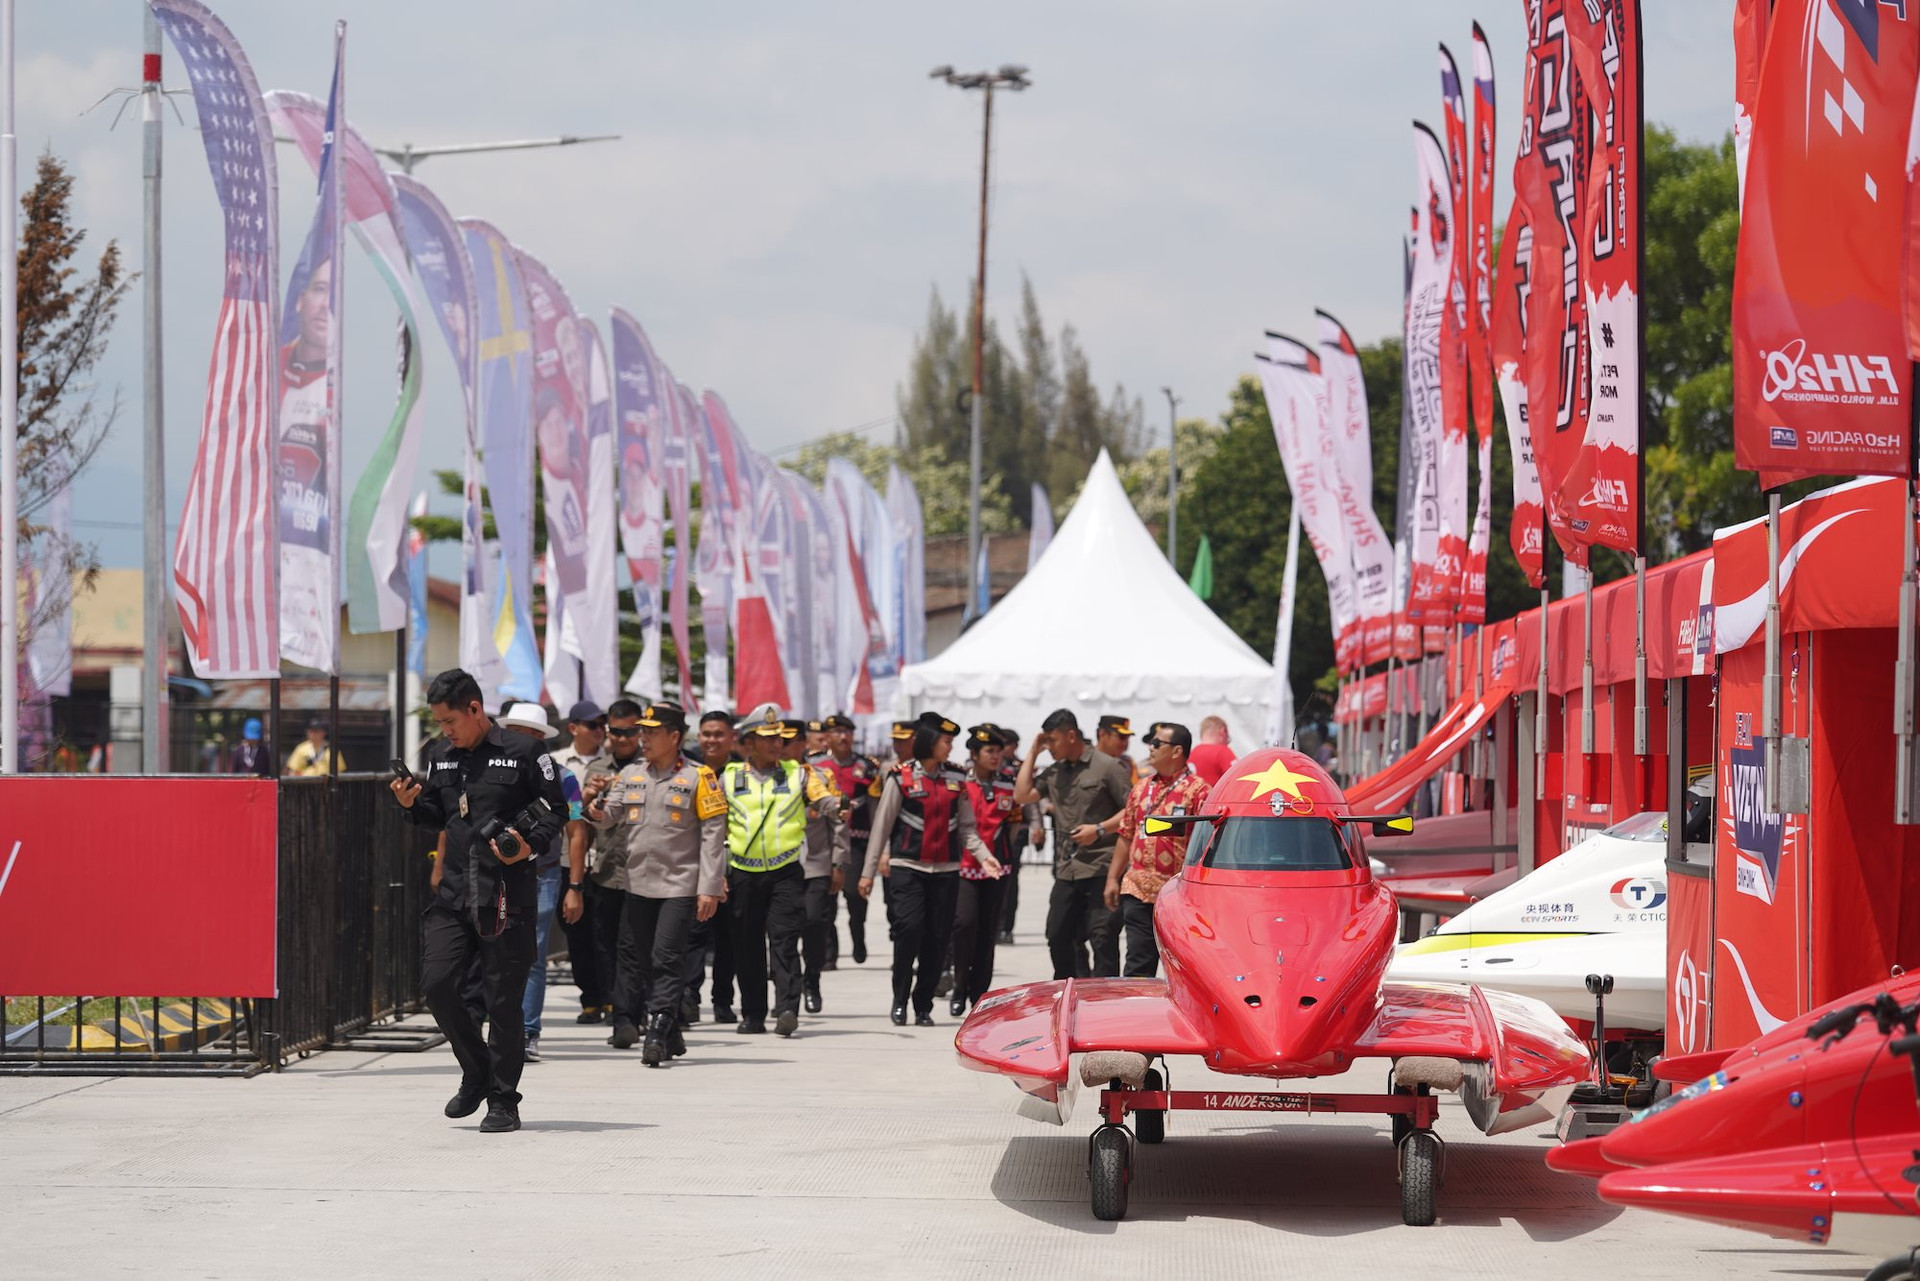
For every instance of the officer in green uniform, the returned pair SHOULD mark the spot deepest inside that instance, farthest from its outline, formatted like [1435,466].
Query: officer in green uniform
[766,834]
[668,814]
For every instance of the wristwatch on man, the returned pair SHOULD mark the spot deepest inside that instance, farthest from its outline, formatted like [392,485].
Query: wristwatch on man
[576,887]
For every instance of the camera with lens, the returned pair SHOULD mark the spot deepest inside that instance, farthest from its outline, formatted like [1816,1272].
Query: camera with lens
[491,830]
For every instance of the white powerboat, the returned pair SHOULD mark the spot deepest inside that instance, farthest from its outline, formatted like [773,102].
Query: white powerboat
[1600,908]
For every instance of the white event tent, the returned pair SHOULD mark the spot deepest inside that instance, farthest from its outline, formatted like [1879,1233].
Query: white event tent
[1101,624]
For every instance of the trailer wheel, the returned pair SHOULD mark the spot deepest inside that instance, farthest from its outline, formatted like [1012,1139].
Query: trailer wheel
[1419,1169]
[1151,1126]
[1903,1268]
[1110,1170]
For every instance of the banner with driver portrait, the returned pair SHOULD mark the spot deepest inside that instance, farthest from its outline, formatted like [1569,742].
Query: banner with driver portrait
[178,898]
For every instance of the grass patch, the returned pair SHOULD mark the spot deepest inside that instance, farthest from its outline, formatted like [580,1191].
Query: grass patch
[65,1011]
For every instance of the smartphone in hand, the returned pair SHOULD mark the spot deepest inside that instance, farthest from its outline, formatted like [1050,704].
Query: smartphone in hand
[400,770]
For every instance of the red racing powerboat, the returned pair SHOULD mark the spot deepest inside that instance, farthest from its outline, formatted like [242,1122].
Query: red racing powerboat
[1276,938]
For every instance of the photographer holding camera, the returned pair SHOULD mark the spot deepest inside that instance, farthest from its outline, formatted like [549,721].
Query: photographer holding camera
[498,798]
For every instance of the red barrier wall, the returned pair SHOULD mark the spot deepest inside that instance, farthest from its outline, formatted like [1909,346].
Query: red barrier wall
[138,886]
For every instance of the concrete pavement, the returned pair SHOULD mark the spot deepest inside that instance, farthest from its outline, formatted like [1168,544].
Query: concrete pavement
[855,1150]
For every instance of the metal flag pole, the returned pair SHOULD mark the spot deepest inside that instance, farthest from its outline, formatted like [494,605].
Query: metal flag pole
[10,761]
[1586,662]
[153,585]
[1904,800]
[1640,656]
[1173,477]
[1770,682]
[338,236]
[1540,706]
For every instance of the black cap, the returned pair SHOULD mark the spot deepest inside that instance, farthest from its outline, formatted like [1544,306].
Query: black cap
[937,723]
[816,727]
[987,735]
[1008,738]
[1058,720]
[317,722]
[792,728]
[587,710]
[837,721]
[1120,725]
[903,729]
[654,715]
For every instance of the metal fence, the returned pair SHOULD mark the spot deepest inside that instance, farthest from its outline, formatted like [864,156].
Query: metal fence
[353,882]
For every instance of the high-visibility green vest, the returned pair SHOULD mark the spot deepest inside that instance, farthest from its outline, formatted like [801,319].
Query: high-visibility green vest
[766,817]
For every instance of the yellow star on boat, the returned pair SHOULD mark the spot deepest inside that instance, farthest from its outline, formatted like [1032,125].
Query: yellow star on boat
[1276,777]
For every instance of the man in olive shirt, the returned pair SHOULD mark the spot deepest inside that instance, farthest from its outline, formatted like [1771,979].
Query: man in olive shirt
[1087,790]
[671,816]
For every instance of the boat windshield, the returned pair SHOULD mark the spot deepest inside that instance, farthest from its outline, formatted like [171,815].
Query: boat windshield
[1650,827]
[1248,844]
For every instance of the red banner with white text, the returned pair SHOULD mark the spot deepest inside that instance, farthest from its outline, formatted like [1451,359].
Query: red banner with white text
[1821,374]
[1549,175]
[1601,491]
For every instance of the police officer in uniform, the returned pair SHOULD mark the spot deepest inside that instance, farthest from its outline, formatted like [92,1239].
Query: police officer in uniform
[607,878]
[718,743]
[921,827]
[481,779]
[766,834]
[857,777]
[672,818]
[824,864]
[976,918]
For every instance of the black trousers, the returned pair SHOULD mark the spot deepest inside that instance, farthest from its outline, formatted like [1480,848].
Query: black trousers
[653,946]
[922,904]
[976,924]
[715,934]
[1143,950]
[448,943]
[817,932]
[769,912]
[1077,916]
[1009,899]
[595,988]
[604,916]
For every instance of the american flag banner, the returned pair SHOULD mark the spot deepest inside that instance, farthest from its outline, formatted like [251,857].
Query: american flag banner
[225,560]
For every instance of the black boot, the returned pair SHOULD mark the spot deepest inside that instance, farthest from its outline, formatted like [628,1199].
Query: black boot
[676,1043]
[624,1035]
[813,997]
[660,1030]
[859,933]
[689,1012]
[958,1005]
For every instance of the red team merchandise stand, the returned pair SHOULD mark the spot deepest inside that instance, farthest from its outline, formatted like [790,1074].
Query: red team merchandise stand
[138,886]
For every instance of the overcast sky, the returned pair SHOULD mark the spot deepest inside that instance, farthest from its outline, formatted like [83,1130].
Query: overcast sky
[789,184]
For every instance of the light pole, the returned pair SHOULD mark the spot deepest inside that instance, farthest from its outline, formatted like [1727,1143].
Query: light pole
[1173,477]
[1012,77]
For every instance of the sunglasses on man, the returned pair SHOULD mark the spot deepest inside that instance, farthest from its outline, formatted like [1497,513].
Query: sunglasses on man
[623,731]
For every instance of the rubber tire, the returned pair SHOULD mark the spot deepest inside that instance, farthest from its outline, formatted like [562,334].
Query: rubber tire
[1419,1172]
[1900,1268]
[1110,1170]
[1151,1127]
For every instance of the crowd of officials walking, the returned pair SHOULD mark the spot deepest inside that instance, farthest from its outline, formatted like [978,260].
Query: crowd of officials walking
[675,855]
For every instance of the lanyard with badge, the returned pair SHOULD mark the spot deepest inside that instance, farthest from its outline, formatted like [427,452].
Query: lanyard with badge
[473,885]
